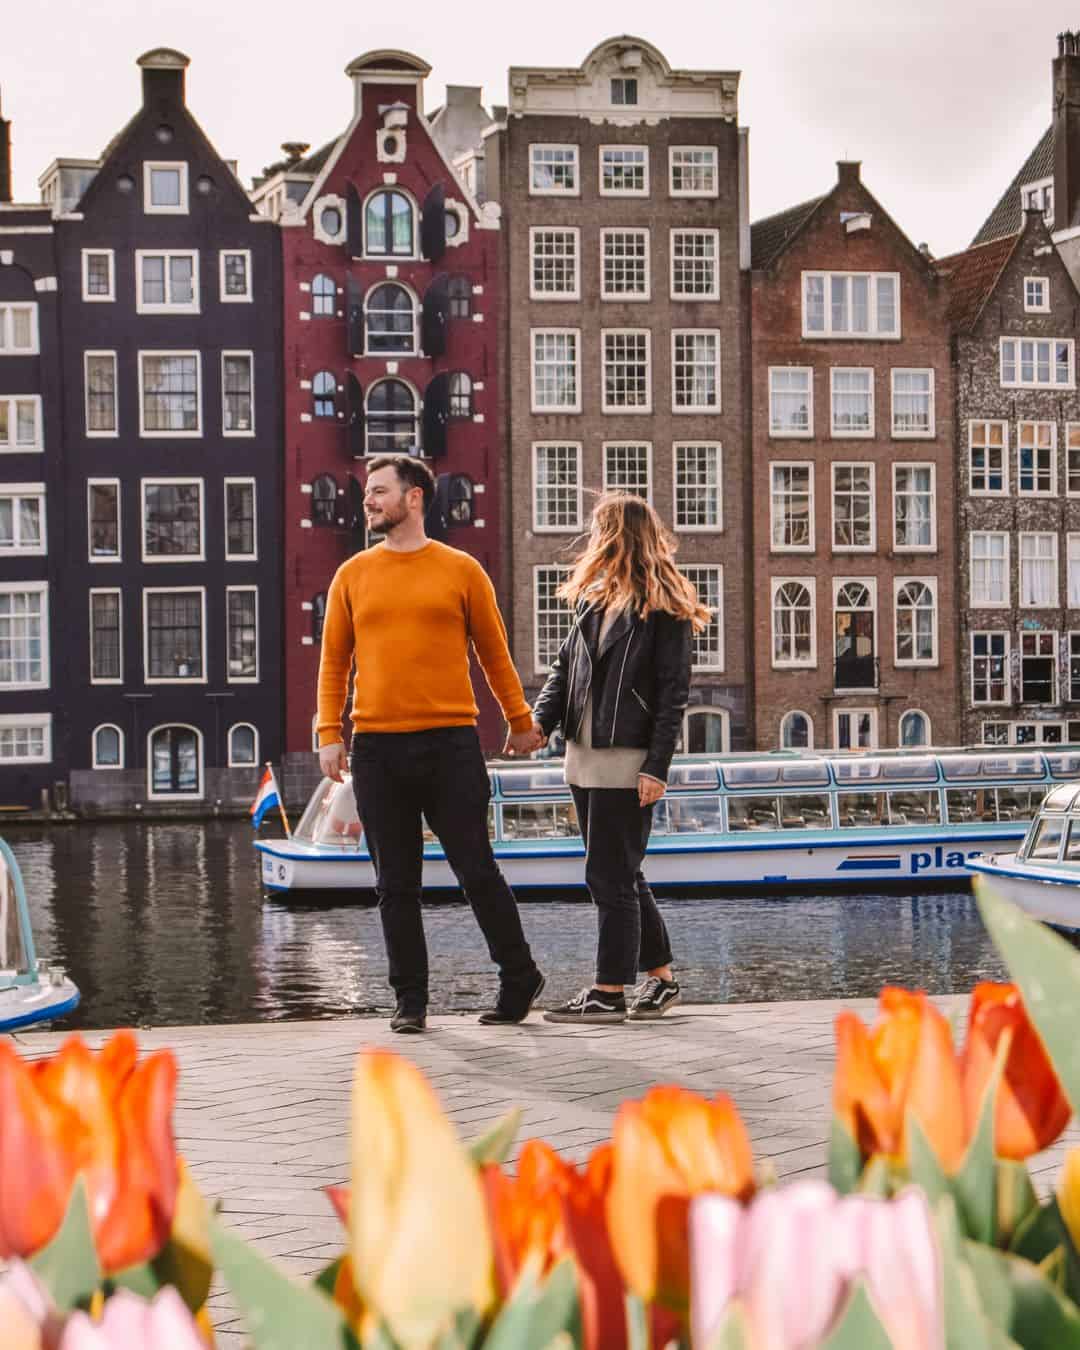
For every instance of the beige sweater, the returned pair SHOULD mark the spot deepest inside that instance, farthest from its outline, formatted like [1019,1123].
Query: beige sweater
[616,767]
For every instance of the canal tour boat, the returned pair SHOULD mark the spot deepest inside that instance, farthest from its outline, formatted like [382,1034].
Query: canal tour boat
[29,991]
[1043,875]
[784,819]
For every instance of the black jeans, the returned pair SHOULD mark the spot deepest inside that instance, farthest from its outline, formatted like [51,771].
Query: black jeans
[440,774]
[631,935]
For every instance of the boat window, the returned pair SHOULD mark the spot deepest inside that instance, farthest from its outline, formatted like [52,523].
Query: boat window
[857,810]
[689,814]
[804,811]
[692,775]
[539,820]
[519,782]
[855,770]
[914,808]
[807,771]
[971,806]
[750,775]
[1059,799]
[1019,803]
[910,770]
[1072,843]
[1047,839]
[991,766]
[1065,765]
[752,813]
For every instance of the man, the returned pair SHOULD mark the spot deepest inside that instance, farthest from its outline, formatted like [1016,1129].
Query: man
[407,612]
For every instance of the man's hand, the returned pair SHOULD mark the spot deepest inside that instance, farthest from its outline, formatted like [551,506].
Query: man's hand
[524,742]
[333,761]
[649,790]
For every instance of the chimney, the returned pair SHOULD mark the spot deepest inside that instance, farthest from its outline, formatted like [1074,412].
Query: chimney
[5,159]
[847,172]
[1067,131]
[163,76]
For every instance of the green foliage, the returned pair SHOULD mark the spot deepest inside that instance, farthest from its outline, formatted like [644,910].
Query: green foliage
[497,1143]
[966,1325]
[1042,1233]
[845,1160]
[69,1266]
[538,1312]
[859,1327]
[1021,1301]
[1016,1199]
[731,1334]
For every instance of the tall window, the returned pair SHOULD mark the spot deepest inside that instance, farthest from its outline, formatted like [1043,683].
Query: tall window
[391,422]
[553,170]
[18,329]
[695,371]
[459,294]
[708,646]
[98,274]
[1072,459]
[988,449]
[694,264]
[1038,571]
[627,468]
[553,617]
[238,408]
[796,731]
[855,634]
[1074,670]
[168,282]
[627,382]
[235,279]
[916,622]
[624,170]
[175,762]
[556,486]
[460,394]
[101,393]
[388,224]
[914,729]
[555,383]
[1072,572]
[22,519]
[239,518]
[20,423]
[1036,454]
[989,667]
[172,519]
[391,320]
[913,403]
[791,401]
[853,506]
[24,634]
[697,487]
[1030,363]
[793,624]
[108,747]
[103,519]
[170,394]
[554,263]
[173,629]
[242,619]
[693,171]
[989,568]
[324,491]
[324,394]
[851,304]
[323,297]
[852,402]
[106,665]
[792,507]
[1038,667]
[625,259]
[913,506]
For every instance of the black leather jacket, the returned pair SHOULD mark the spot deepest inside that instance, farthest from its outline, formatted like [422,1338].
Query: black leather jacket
[639,678]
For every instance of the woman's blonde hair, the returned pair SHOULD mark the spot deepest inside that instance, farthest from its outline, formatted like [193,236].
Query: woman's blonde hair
[629,560]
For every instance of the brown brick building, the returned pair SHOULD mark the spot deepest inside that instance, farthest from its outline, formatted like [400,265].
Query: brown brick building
[623,189]
[852,474]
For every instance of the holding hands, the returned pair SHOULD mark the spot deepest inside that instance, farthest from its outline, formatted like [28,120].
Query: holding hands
[524,742]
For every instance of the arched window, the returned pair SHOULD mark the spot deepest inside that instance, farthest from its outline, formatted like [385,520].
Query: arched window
[459,294]
[324,394]
[797,731]
[793,625]
[854,637]
[460,395]
[388,224]
[108,747]
[243,746]
[916,623]
[391,320]
[175,762]
[390,425]
[706,731]
[914,728]
[324,500]
[318,615]
[323,297]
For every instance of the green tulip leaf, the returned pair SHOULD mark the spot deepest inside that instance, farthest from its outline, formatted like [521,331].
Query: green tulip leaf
[877,1178]
[1047,969]
[966,1326]
[1021,1301]
[923,1166]
[326,1279]
[637,1323]
[464,1334]
[496,1144]
[141,1280]
[538,1312]
[731,1334]
[1044,1232]
[845,1160]
[69,1266]
[1016,1199]
[279,1314]
[975,1183]
[859,1327]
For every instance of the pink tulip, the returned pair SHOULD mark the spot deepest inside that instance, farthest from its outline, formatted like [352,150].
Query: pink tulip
[27,1316]
[130,1323]
[792,1257]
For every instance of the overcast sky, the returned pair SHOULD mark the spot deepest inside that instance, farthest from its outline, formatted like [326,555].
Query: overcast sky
[942,100]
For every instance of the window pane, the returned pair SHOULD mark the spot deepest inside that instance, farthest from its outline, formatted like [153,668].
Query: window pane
[243,636]
[174,632]
[697,486]
[240,519]
[170,393]
[172,519]
[237,393]
[165,187]
[105,636]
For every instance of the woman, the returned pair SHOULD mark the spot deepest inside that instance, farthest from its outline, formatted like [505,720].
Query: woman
[618,689]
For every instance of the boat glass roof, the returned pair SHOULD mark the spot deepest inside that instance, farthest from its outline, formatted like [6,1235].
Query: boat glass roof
[1064,765]
[956,767]
[520,782]
[692,775]
[1061,798]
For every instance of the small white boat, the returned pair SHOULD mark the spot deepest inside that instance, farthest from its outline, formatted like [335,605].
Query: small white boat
[783,820]
[1043,875]
[30,991]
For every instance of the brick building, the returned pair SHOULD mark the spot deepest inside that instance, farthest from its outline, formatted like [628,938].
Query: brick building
[391,289]
[623,189]
[853,555]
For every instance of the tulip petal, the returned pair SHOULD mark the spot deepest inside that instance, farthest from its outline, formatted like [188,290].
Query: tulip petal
[861,1099]
[715,1236]
[1069,1194]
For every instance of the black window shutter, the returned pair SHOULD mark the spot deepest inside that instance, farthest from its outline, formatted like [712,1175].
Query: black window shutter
[354,316]
[355,499]
[354,405]
[436,415]
[435,316]
[438,516]
[433,224]
[354,222]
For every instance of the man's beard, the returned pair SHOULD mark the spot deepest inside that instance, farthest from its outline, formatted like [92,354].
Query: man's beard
[386,520]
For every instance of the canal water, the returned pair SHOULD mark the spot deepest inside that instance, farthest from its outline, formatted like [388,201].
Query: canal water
[167,924]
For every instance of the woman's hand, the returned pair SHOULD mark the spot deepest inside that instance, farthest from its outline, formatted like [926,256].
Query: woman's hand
[649,790]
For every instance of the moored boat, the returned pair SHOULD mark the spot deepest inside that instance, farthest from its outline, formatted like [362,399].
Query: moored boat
[1043,875]
[785,820]
[30,991]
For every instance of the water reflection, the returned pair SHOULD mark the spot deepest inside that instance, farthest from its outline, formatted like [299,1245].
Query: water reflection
[167,924]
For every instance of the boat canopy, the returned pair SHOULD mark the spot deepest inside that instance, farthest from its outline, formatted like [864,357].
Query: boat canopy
[1061,798]
[17,961]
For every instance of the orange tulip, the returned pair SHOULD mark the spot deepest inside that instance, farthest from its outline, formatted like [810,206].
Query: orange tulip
[1031,1109]
[906,1066]
[526,1212]
[102,1116]
[667,1147]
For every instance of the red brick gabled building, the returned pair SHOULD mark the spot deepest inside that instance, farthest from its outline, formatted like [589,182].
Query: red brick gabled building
[854,557]
[391,270]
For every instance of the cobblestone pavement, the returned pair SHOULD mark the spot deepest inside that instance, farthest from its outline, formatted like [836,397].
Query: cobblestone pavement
[263,1110]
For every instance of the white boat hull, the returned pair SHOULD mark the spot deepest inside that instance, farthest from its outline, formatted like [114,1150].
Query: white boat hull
[1046,893]
[24,1005]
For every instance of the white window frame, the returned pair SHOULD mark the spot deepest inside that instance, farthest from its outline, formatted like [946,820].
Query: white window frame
[575,191]
[609,485]
[100,435]
[574,232]
[871,587]
[931,583]
[931,547]
[538,667]
[1035,422]
[1035,383]
[845,434]
[1003,491]
[248,296]
[1055,666]
[692,296]
[637,148]
[200,749]
[575,526]
[1007,658]
[973,600]
[629,297]
[153,354]
[167,306]
[110,294]
[713,152]
[1072,547]
[718,666]
[718,366]
[148,591]
[795,712]
[620,409]
[236,726]
[242,679]
[542,409]
[119,554]
[7,328]
[149,208]
[914,712]
[230,481]
[871,547]
[94,761]
[1055,559]
[43,720]
[248,434]
[18,491]
[898,435]
[173,558]
[776,584]
[697,445]
[848,335]
[776,433]
[854,712]
[35,588]
[15,448]
[1072,429]
[808,465]
[708,710]
[105,590]
[1037,308]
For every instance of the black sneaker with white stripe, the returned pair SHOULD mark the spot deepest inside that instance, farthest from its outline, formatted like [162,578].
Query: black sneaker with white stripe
[652,998]
[591,1006]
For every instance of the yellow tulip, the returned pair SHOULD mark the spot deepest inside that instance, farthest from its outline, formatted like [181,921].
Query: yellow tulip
[418,1232]
[1069,1194]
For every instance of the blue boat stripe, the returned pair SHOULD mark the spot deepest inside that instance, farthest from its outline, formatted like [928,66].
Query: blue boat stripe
[869,865]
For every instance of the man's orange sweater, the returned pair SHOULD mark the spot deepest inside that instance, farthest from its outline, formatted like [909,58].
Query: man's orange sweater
[408,618]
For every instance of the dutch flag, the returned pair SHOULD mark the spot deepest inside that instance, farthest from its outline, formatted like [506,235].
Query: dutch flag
[266,799]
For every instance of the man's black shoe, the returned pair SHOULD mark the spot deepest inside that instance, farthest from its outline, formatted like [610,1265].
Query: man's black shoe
[411,1023]
[514,1005]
